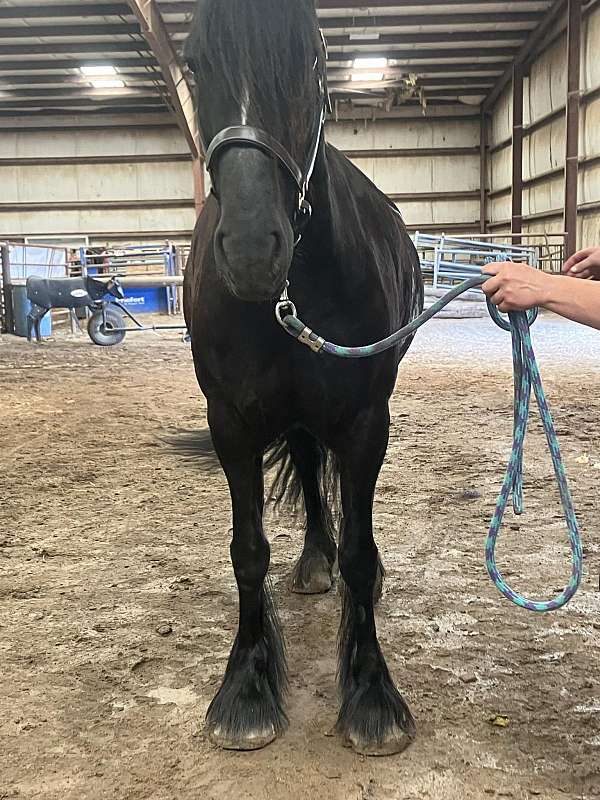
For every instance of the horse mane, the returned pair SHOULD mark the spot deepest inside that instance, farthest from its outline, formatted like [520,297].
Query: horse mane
[263,50]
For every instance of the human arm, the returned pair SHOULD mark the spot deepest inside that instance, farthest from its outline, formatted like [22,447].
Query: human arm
[518,287]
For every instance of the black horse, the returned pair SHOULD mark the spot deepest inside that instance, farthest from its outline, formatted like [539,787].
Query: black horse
[260,70]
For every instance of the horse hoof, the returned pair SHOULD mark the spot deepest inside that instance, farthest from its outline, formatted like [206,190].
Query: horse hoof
[253,740]
[395,742]
[312,574]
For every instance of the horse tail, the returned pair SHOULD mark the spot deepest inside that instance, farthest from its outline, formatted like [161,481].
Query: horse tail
[196,447]
[286,486]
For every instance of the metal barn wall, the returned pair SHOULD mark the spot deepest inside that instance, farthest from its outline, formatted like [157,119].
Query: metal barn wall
[131,181]
[132,178]
[544,143]
[429,166]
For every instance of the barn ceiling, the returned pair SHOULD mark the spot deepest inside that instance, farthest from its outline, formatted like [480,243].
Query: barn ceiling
[428,53]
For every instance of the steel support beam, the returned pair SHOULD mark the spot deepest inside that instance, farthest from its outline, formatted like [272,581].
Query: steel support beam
[483,169]
[56,161]
[413,152]
[379,22]
[517,153]
[86,103]
[6,295]
[535,38]
[561,30]
[68,31]
[453,38]
[81,92]
[491,69]
[327,4]
[57,11]
[56,65]
[187,6]
[422,54]
[349,89]
[434,20]
[180,92]
[199,187]
[74,48]
[73,80]
[572,114]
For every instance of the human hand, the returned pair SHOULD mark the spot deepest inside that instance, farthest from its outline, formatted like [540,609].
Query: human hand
[515,287]
[584,264]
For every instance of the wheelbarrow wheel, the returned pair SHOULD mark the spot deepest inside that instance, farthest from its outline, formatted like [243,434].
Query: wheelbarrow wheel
[106,335]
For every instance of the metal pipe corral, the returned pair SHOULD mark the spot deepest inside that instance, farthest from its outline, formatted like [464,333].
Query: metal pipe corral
[142,281]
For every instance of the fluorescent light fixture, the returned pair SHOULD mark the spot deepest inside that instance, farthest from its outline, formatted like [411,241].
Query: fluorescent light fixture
[364,77]
[106,69]
[370,63]
[108,84]
[364,37]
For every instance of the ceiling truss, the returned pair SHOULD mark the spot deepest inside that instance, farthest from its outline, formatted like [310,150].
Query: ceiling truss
[455,51]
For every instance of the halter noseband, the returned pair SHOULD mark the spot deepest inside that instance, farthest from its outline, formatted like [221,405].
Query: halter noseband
[248,136]
[254,137]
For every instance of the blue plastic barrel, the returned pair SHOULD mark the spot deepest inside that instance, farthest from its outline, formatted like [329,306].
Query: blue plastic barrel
[21,307]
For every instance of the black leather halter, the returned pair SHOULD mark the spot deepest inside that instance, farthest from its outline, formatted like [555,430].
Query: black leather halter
[254,137]
[248,136]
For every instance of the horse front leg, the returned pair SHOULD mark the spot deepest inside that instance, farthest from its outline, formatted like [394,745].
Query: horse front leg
[247,712]
[374,718]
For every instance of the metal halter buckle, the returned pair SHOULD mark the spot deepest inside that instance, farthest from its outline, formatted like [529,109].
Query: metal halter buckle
[285,307]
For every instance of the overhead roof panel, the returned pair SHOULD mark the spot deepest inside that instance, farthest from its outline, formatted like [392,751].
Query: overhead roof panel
[44,42]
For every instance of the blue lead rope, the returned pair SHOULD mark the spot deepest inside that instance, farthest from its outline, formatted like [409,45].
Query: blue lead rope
[526,376]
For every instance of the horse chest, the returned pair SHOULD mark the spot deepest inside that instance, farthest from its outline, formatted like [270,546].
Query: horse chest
[275,382]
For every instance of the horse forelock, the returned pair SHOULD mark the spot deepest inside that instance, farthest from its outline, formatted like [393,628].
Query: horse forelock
[261,54]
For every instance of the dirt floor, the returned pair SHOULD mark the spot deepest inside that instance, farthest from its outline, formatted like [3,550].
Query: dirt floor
[117,601]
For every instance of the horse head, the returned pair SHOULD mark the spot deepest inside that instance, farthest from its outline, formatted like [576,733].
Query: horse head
[260,75]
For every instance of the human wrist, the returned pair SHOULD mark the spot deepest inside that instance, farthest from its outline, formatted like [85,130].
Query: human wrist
[551,288]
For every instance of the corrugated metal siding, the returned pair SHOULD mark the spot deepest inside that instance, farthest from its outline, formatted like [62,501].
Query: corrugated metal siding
[544,147]
[171,180]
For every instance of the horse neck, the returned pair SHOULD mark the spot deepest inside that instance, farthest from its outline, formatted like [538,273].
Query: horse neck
[321,226]
[335,214]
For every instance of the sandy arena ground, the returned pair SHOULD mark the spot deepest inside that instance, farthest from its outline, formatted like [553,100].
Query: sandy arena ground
[118,609]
